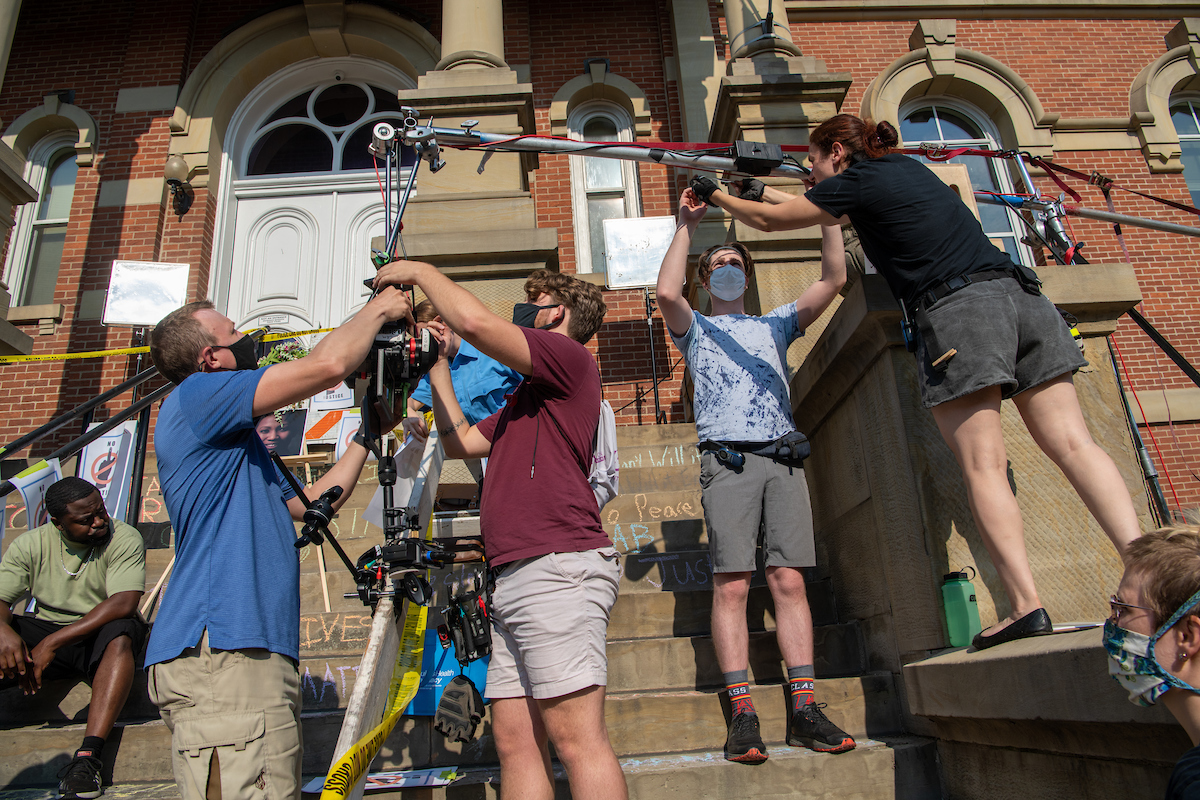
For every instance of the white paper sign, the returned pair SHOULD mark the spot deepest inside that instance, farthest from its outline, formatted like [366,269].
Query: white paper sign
[349,425]
[340,396]
[107,464]
[32,484]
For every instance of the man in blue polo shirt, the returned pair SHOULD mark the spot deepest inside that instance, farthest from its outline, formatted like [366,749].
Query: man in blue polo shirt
[223,654]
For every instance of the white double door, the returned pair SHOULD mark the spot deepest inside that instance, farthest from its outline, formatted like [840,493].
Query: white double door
[301,251]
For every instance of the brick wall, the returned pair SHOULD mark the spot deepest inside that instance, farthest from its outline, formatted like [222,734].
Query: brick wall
[133,44]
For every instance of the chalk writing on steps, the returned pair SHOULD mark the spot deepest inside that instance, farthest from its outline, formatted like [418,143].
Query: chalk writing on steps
[346,628]
[684,509]
[631,537]
[315,689]
[679,572]
[672,455]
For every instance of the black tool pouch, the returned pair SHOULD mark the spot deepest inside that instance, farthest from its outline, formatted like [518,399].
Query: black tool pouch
[1028,279]
[790,450]
[933,346]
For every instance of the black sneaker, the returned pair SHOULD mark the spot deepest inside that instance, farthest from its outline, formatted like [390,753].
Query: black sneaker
[812,729]
[743,743]
[80,778]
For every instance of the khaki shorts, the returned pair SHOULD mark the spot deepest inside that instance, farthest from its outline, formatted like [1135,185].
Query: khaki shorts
[550,620]
[765,499]
[242,705]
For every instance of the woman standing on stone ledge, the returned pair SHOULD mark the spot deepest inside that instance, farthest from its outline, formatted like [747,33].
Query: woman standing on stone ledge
[986,334]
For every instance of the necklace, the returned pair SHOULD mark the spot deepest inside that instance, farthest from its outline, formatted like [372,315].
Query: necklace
[62,550]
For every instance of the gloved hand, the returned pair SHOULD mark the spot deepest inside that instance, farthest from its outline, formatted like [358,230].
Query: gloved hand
[703,187]
[460,710]
[750,189]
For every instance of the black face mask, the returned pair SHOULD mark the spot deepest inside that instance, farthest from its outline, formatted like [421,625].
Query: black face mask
[243,350]
[524,314]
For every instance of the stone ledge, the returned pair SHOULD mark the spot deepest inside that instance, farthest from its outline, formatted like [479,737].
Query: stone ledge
[1062,677]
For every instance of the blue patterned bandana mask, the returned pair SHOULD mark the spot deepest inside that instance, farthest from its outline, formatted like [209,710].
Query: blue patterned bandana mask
[1132,664]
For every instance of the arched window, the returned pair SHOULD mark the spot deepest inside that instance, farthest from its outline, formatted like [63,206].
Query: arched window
[1185,115]
[951,124]
[601,188]
[40,231]
[325,129]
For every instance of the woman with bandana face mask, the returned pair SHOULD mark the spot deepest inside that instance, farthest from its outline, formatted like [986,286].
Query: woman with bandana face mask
[1153,637]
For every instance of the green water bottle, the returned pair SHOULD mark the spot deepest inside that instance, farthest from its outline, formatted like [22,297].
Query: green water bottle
[962,611]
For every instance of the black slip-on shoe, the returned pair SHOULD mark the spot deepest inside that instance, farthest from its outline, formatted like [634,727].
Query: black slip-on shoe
[1035,623]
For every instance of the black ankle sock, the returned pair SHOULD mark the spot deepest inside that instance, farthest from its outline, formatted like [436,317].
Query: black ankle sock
[92,745]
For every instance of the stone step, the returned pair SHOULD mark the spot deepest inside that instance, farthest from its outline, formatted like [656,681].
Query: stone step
[644,615]
[640,724]
[890,768]
[660,479]
[630,437]
[691,662]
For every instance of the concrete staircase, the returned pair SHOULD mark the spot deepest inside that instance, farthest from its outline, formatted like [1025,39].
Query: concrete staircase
[665,711]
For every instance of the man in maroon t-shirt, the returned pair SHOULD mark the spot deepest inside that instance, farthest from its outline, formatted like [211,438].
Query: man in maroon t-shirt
[558,572]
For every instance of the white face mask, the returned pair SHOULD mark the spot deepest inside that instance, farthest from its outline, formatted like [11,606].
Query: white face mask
[727,282]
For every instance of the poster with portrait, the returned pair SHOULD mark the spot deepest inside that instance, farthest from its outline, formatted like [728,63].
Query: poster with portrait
[107,464]
[282,432]
[32,484]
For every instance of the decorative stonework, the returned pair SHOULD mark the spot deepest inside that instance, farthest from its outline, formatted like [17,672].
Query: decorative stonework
[936,67]
[599,84]
[1150,96]
[261,48]
[53,115]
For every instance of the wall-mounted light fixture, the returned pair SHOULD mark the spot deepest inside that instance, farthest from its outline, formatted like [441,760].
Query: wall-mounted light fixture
[176,174]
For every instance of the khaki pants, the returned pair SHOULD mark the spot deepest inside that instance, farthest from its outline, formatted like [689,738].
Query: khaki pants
[236,713]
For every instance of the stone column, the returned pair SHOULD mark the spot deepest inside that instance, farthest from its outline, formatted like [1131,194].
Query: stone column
[9,10]
[750,34]
[472,34]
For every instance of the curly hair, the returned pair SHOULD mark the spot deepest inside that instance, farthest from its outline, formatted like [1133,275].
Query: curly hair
[865,138]
[178,339]
[584,299]
[705,268]
[1169,561]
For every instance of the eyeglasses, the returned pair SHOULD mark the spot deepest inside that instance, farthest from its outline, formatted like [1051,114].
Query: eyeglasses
[1118,606]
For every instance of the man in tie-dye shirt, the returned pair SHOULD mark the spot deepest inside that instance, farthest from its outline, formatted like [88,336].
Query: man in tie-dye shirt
[751,485]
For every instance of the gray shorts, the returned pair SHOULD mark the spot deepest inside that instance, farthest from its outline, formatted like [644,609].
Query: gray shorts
[1004,336]
[766,500]
[550,620]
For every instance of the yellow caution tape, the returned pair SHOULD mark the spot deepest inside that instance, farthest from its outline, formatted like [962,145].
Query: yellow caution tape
[406,677]
[125,351]
[354,763]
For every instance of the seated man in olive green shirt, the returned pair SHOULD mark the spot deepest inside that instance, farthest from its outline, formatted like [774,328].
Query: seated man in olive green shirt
[85,574]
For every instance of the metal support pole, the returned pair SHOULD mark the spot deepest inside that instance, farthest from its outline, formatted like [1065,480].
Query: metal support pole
[1149,473]
[659,416]
[134,508]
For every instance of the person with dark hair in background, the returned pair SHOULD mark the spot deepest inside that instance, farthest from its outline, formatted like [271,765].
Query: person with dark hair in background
[940,265]
[85,574]
[750,486]
[1153,637]
[555,570]
[223,656]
